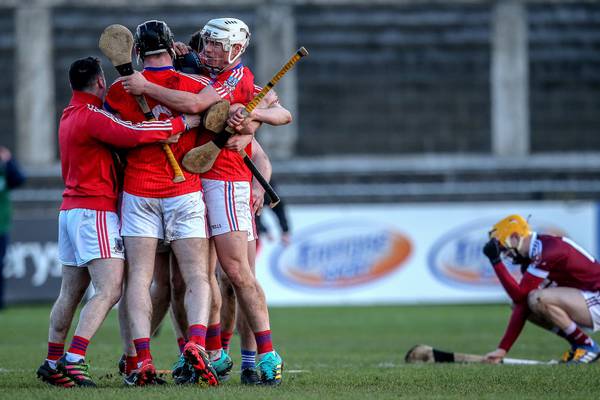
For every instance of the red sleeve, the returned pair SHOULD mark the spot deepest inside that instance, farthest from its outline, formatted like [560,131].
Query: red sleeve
[109,129]
[515,326]
[517,292]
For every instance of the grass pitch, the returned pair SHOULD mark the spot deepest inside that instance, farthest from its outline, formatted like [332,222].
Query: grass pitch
[330,353]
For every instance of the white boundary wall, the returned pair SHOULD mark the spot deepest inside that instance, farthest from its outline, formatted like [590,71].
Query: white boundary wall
[374,254]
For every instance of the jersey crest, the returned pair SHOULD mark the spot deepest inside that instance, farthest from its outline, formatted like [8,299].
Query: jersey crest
[536,252]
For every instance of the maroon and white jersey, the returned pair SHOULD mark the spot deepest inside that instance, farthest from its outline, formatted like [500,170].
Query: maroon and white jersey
[553,258]
[563,261]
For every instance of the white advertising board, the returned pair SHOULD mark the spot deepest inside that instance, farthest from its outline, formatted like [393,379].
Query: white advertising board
[402,253]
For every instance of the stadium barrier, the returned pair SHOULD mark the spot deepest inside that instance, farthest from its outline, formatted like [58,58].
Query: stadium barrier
[351,254]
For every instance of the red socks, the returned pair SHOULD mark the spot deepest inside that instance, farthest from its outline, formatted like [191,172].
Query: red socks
[263,342]
[213,337]
[142,348]
[180,344]
[79,346]
[225,339]
[197,334]
[55,351]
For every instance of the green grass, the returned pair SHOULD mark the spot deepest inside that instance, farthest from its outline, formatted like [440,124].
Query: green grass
[345,353]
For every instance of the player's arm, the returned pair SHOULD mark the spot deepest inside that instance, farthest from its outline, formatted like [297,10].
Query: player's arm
[513,330]
[245,132]
[518,292]
[185,102]
[263,164]
[268,111]
[111,130]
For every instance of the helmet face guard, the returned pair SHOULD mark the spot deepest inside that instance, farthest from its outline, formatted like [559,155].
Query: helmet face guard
[510,233]
[153,37]
[219,39]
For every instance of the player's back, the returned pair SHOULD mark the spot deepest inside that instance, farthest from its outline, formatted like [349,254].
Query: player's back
[87,165]
[148,172]
[567,263]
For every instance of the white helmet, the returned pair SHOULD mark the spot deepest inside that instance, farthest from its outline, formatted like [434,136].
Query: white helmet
[228,32]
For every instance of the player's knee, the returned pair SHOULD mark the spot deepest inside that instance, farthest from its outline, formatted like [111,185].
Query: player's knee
[537,301]
[532,299]
[241,280]
[109,295]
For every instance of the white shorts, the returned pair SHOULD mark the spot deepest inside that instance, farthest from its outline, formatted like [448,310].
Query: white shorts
[169,219]
[85,235]
[229,207]
[592,300]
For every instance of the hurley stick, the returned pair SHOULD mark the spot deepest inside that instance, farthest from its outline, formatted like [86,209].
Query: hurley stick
[116,42]
[427,354]
[201,159]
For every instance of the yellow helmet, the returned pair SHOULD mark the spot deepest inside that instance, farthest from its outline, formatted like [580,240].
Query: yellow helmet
[505,228]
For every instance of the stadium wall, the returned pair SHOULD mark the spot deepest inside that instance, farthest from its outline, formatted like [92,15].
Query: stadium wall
[422,69]
[351,254]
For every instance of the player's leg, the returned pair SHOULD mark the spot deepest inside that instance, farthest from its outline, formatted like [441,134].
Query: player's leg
[177,309]
[193,264]
[128,361]
[142,227]
[230,221]
[249,375]
[233,255]
[160,290]
[89,238]
[545,323]
[140,253]
[228,308]
[220,360]
[107,280]
[567,309]
[72,289]
[184,219]
[182,372]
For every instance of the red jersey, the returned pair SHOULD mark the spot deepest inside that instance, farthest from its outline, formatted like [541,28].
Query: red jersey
[85,134]
[557,259]
[563,261]
[229,165]
[148,172]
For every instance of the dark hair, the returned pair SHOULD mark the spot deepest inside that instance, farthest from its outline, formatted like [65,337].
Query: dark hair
[196,42]
[83,73]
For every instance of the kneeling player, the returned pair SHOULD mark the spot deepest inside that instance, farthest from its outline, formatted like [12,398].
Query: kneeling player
[560,288]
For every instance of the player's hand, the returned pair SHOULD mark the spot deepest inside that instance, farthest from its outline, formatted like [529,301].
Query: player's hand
[192,121]
[5,155]
[240,120]
[172,139]
[181,49]
[492,251]
[258,199]
[135,83]
[238,115]
[238,142]
[285,238]
[495,357]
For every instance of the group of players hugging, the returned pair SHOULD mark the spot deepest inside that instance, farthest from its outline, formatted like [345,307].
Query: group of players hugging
[152,245]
